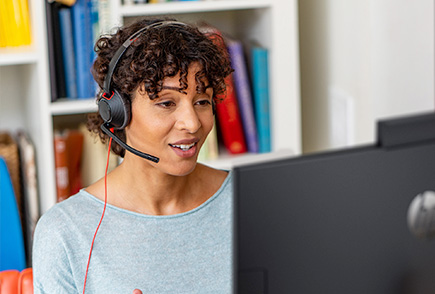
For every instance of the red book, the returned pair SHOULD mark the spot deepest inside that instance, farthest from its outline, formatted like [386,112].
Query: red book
[229,120]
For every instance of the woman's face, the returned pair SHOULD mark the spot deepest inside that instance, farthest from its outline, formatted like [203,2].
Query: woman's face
[173,126]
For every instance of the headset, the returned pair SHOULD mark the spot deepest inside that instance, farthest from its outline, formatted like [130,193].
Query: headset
[116,111]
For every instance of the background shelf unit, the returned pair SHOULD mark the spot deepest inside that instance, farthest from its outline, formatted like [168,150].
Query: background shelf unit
[25,75]
[25,98]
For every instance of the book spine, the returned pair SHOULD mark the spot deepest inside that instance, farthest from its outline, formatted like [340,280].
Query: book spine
[61,167]
[229,120]
[30,190]
[95,33]
[210,148]
[104,19]
[12,253]
[24,22]
[55,54]
[260,75]
[68,52]
[94,157]
[243,94]
[74,143]
[83,46]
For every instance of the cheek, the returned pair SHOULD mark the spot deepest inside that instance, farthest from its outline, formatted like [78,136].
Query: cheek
[147,129]
[207,123]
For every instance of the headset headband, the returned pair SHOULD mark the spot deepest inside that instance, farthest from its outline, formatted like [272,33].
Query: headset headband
[121,50]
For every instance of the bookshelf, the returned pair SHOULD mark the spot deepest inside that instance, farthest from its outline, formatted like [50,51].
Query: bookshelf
[25,98]
[272,23]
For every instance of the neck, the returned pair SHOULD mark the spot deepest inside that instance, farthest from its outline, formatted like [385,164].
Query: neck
[140,187]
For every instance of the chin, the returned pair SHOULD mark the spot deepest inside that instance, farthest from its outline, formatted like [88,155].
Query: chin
[183,169]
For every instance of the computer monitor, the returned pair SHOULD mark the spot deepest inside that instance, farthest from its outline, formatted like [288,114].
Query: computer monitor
[358,220]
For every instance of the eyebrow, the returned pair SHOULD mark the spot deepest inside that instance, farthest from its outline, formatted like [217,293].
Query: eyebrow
[171,88]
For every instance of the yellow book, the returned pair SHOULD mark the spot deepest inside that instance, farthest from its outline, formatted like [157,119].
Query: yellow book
[12,29]
[3,40]
[25,31]
[5,19]
[14,23]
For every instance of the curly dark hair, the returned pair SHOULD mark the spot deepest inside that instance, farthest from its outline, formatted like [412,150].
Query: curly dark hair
[158,53]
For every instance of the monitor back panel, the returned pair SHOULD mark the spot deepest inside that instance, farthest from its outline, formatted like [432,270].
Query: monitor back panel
[334,223]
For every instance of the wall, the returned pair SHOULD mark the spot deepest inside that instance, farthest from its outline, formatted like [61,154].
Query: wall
[362,61]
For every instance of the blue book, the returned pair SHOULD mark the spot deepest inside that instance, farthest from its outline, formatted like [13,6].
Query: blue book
[66,35]
[260,85]
[243,93]
[83,46]
[12,253]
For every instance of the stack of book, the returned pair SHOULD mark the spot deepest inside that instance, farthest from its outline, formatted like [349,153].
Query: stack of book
[14,23]
[80,160]
[243,115]
[72,32]
[138,2]
[19,209]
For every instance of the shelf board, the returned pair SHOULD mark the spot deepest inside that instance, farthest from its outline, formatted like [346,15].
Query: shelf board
[191,7]
[18,55]
[228,161]
[68,106]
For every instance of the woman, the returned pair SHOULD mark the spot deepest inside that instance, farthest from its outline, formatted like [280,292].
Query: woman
[167,225]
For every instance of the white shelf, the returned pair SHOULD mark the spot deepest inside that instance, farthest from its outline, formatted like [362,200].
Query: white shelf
[228,161]
[272,22]
[18,55]
[68,106]
[191,7]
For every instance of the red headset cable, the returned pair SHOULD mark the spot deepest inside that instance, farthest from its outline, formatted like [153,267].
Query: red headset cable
[102,215]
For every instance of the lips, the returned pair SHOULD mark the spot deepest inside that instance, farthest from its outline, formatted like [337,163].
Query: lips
[185,148]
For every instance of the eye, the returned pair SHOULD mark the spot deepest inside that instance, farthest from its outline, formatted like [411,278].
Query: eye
[204,102]
[166,104]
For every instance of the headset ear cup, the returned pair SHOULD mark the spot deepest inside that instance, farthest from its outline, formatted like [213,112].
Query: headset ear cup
[115,110]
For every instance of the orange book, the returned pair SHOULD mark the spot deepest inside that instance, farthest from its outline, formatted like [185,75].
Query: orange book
[74,143]
[61,167]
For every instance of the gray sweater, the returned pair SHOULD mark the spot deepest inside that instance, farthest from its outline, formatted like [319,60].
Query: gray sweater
[189,252]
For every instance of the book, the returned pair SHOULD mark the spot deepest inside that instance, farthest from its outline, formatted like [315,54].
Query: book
[55,55]
[83,39]
[227,109]
[30,190]
[68,52]
[61,166]
[242,86]
[230,123]
[74,144]
[14,23]
[210,148]
[24,31]
[94,157]
[10,152]
[260,85]
[104,19]
[12,252]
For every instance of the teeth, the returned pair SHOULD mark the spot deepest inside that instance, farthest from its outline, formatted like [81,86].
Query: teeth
[183,146]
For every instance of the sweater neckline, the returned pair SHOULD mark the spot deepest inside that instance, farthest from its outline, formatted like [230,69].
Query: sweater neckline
[170,216]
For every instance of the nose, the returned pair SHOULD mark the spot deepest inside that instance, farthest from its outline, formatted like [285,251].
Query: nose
[188,119]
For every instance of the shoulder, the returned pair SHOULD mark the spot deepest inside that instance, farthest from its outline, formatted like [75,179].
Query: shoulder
[50,247]
[63,216]
[61,242]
